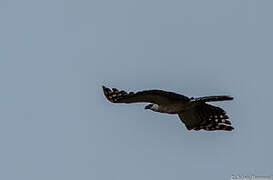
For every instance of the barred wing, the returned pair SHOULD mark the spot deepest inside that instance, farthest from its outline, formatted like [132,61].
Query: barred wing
[151,96]
[207,117]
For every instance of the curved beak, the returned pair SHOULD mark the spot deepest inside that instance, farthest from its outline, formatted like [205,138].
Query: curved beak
[148,106]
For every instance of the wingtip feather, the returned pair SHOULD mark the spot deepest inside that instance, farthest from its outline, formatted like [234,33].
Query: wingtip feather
[229,98]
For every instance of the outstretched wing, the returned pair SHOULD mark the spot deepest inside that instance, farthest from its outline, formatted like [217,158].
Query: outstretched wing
[151,96]
[207,117]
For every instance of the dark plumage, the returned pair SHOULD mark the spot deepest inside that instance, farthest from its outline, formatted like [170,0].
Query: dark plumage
[195,113]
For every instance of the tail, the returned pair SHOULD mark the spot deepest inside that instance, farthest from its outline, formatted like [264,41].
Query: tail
[212,98]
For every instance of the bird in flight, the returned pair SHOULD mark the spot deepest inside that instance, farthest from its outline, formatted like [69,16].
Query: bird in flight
[195,113]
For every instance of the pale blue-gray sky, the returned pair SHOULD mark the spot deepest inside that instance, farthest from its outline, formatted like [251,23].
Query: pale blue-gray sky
[55,55]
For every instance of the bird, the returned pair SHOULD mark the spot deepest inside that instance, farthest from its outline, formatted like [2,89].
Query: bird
[195,113]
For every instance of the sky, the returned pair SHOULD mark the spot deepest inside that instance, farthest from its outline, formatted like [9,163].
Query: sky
[55,55]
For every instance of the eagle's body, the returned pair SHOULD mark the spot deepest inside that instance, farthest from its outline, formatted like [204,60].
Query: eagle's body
[194,112]
[174,108]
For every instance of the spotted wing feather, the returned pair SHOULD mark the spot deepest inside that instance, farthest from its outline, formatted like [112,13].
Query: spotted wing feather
[207,117]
